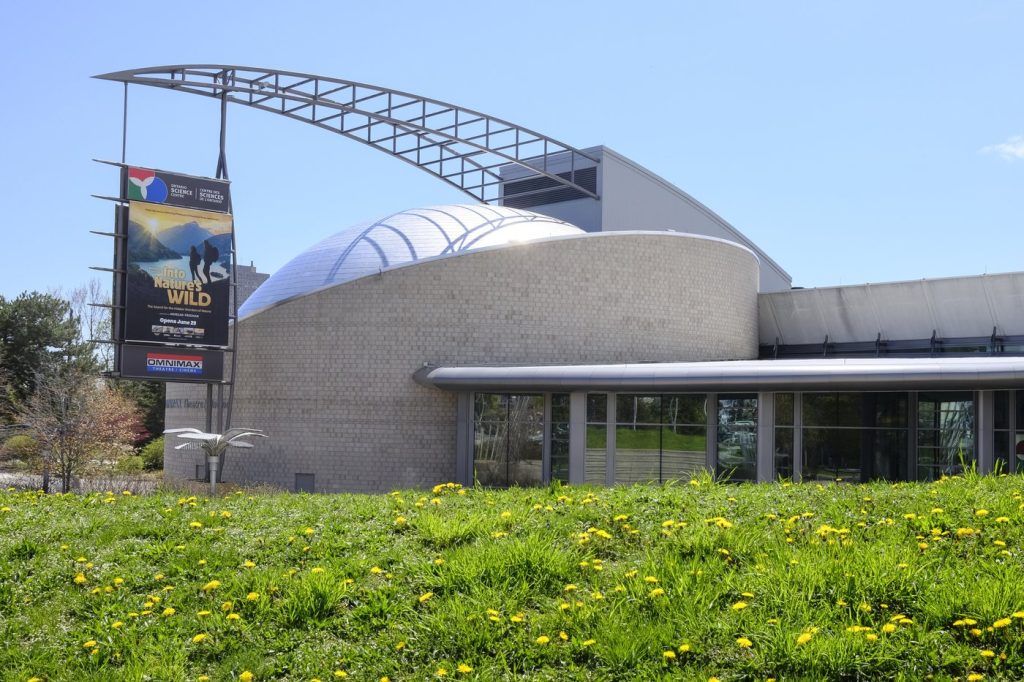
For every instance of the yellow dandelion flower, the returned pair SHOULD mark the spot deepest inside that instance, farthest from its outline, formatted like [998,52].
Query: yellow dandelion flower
[464,668]
[234,616]
[117,624]
[975,677]
[744,643]
[543,639]
[340,674]
[169,611]
[871,637]
[656,592]
[80,579]
[589,642]
[517,618]
[441,672]
[400,521]
[211,586]
[987,653]
[199,638]
[563,635]
[804,638]
[569,588]
[1001,623]
[119,581]
[195,524]
[89,644]
[739,606]
[981,512]
[248,564]
[650,579]
[668,654]
[203,614]
[1002,519]
[246,676]
[425,596]
[1018,614]
[888,628]
[316,569]
[376,570]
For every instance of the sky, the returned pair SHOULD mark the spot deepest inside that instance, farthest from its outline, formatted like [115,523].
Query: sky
[853,142]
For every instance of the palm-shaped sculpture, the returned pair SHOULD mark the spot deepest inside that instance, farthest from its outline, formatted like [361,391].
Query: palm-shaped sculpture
[215,444]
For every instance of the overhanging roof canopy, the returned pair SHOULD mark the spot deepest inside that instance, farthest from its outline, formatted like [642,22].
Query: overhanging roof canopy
[463,147]
[883,374]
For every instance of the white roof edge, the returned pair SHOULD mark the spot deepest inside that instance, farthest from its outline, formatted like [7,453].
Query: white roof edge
[742,375]
[924,280]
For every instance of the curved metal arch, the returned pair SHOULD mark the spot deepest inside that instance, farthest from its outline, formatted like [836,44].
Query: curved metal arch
[465,148]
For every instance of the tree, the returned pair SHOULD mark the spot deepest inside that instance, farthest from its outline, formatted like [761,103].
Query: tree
[78,420]
[37,333]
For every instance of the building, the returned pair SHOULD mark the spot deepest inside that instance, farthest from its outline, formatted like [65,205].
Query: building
[590,322]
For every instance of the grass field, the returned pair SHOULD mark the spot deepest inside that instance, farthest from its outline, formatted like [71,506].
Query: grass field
[688,581]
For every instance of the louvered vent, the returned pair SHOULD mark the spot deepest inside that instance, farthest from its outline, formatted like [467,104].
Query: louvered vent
[539,190]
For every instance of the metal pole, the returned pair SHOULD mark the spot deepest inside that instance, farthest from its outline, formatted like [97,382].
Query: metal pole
[222,172]
[124,125]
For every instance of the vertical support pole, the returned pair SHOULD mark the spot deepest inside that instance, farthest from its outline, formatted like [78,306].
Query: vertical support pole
[711,412]
[609,459]
[798,437]
[986,424]
[545,456]
[124,128]
[464,438]
[577,437]
[912,474]
[765,458]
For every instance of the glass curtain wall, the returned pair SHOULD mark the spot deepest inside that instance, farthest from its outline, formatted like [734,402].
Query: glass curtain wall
[1001,438]
[945,433]
[737,437]
[854,437]
[784,412]
[560,437]
[508,439]
[659,437]
[1018,446]
[595,462]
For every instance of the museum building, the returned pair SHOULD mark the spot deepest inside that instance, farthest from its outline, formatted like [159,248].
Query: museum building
[592,323]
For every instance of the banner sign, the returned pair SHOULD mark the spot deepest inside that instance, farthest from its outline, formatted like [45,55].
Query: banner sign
[171,189]
[171,364]
[178,274]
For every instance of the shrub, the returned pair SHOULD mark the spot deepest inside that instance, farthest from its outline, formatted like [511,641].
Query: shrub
[153,454]
[132,464]
[20,447]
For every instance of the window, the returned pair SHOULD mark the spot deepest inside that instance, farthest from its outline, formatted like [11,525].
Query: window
[596,457]
[854,437]
[737,437]
[508,439]
[945,433]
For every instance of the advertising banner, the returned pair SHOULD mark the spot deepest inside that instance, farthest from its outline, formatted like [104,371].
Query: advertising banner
[171,364]
[172,189]
[178,275]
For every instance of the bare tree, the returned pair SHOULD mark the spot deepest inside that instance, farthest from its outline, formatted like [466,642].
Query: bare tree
[93,320]
[79,421]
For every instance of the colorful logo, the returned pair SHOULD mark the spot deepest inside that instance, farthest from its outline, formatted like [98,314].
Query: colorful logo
[162,363]
[144,185]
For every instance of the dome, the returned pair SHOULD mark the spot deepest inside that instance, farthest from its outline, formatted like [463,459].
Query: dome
[398,239]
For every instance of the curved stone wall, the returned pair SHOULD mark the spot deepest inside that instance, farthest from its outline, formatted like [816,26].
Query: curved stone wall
[329,375]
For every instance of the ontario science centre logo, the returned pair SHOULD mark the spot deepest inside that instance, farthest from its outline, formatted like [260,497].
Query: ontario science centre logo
[165,363]
[144,185]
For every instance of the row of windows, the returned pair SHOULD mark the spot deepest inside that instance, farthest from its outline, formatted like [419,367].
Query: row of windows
[840,436]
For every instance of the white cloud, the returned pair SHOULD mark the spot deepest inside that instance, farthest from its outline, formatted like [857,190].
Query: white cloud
[1011,150]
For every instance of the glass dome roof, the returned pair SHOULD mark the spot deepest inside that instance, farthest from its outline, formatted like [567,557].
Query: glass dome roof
[405,237]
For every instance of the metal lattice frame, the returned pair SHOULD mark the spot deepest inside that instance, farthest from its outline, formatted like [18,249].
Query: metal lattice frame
[465,148]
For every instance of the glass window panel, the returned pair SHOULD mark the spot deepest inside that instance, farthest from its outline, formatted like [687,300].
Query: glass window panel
[849,408]
[490,448]
[596,460]
[684,409]
[946,434]
[891,410]
[637,454]
[783,409]
[1019,399]
[559,407]
[490,406]
[783,452]
[1002,409]
[683,451]
[1001,446]
[833,455]
[597,407]
[637,409]
[819,409]
[737,437]
[1018,451]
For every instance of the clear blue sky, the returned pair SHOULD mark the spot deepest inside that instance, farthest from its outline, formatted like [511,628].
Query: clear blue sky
[854,142]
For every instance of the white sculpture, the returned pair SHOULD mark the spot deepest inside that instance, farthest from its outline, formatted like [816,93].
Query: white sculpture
[214,445]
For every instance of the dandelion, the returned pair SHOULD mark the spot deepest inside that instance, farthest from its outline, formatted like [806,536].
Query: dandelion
[650,579]
[249,564]
[656,592]
[425,596]
[252,596]
[888,628]
[198,639]
[871,637]
[1002,519]
[234,616]
[739,606]
[804,638]
[203,614]
[543,639]
[975,677]
[169,611]
[569,588]
[211,586]
[517,618]
[226,606]
[119,581]
[668,654]
[246,676]
[988,653]
[195,524]
[563,635]
[376,570]
[981,512]
[80,579]
[441,672]
[464,668]
[340,674]
[744,643]
[89,644]
[316,569]
[117,624]
[1001,623]
[589,642]
[400,521]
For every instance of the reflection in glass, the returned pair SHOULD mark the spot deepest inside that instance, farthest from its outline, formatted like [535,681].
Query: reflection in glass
[737,437]
[508,439]
[659,437]
[596,461]
[945,433]
[784,452]
[560,437]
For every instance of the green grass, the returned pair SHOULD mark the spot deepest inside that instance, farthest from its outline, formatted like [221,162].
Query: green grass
[405,584]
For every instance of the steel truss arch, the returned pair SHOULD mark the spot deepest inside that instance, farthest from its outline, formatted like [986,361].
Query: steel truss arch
[465,148]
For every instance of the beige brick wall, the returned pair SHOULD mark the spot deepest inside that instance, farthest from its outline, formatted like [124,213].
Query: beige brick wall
[329,375]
